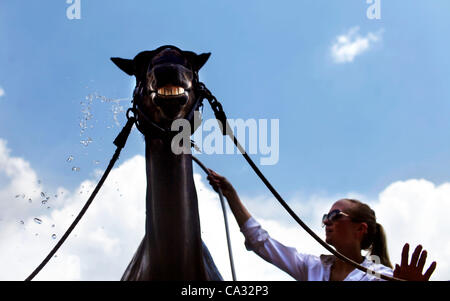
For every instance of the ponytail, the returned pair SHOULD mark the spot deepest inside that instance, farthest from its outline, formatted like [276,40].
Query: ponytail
[379,246]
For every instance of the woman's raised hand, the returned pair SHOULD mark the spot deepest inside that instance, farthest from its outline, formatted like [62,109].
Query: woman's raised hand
[413,270]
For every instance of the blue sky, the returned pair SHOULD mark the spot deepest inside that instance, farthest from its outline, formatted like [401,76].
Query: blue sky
[348,127]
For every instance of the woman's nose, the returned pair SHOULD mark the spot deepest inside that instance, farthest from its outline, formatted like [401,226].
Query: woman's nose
[327,222]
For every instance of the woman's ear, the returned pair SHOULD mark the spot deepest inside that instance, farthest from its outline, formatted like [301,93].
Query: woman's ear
[362,230]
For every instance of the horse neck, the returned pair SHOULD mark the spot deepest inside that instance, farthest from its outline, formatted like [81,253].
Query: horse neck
[172,219]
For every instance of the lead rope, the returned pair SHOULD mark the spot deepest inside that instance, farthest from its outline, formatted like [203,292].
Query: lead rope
[226,131]
[224,210]
[120,141]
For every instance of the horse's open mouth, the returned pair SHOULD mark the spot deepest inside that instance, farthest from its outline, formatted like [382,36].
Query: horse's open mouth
[171,99]
[170,91]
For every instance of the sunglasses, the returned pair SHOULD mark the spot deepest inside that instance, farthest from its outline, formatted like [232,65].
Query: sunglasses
[333,216]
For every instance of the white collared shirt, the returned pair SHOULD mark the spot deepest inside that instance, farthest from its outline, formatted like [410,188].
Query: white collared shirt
[302,267]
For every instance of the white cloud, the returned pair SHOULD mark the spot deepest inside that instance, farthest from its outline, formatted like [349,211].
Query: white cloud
[415,211]
[101,245]
[347,46]
[2,92]
[105,240]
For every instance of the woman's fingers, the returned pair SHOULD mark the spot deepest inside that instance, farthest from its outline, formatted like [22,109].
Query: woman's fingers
[422,260]
[397,271]
[430,271]
[215,174]
[415,255]
[405,255]
[212,172]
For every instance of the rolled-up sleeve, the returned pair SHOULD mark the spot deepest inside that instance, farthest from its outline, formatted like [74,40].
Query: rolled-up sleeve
[285,258]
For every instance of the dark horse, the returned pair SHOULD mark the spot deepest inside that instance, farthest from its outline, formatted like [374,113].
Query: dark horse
[172,248]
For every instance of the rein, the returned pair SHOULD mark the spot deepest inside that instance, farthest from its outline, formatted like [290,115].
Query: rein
[156,130]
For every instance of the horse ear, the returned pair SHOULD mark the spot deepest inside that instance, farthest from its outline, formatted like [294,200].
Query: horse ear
[201,59]
[197,60]
[125,65]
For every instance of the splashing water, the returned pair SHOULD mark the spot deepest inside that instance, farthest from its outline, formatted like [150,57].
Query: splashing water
[70,158]
[87,141]
[86,109]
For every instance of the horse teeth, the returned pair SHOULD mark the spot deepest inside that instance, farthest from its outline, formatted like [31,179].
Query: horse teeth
[169,91]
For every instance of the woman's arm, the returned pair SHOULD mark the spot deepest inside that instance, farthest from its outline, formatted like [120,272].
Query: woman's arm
[237,207]
[256,238]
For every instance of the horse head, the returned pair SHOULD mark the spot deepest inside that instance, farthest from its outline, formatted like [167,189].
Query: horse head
[166,82]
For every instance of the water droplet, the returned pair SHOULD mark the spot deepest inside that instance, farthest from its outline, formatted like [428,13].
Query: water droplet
[39,182]
[75,168]
[86,142]
[96,162]
[70,159]
[22,222]
[42,194]
[17,196]
[30,200]
[53,226]
[37,220]
[54,236]
[44,202]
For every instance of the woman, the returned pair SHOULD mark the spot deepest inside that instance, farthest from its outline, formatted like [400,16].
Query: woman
[350,226]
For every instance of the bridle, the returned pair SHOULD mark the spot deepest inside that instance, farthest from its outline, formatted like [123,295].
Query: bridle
[151,129]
